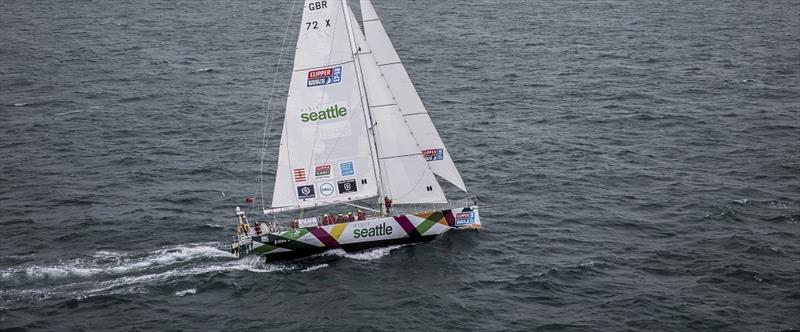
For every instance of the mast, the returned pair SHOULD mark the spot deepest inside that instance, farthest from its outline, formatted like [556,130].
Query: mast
[364,103]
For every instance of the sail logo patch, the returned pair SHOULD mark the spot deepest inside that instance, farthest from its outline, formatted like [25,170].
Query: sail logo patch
[465,218]
[347,186]
[346,168]
[299,174]
[326,189]
[433,154]
[332,112]
[322,171]
[324,76]
[306,192]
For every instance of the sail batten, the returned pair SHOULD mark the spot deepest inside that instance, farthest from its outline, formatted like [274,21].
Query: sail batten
[391,63]
[405,155]
[408,100]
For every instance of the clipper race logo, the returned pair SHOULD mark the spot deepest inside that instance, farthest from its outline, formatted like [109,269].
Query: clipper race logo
[324,76]
[433,154]
[322,171]
[465,218]
[305,192]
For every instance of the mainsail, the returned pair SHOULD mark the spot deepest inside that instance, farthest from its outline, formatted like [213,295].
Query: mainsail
[408,100]
[325,155]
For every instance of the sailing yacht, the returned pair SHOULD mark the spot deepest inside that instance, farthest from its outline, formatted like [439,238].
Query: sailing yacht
[355,135]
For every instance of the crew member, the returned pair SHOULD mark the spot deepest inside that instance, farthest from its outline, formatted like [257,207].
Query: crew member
[350,217]
[388,203]
[361,215]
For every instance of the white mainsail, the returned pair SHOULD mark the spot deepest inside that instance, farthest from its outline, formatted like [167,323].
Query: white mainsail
[408,100]
[325,156]
[405,175]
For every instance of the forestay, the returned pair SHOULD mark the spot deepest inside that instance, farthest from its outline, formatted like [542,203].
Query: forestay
[408,100]
[325,155]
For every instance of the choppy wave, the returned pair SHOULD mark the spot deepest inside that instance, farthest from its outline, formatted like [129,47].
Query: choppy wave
[190,291]
[367,255]
[314,267]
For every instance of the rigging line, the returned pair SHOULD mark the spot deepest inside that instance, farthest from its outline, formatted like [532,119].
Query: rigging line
[267,123]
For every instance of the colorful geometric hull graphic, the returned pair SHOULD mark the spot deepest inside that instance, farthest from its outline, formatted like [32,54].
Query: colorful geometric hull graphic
[362,235]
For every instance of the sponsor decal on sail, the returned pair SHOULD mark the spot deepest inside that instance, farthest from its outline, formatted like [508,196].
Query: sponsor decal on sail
[332,112]
[322,171]
[306,192]
[324,76]
[326,189]
[299,174]
[346,168]
[433,154]
[347,186]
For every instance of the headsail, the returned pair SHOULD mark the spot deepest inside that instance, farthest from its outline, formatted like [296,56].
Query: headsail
[406,176]
[325,155]
[408,100]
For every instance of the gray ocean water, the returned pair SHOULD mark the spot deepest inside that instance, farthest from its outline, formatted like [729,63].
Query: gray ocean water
[639,162]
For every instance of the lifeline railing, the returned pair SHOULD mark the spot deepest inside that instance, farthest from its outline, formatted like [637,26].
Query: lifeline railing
[415,208]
